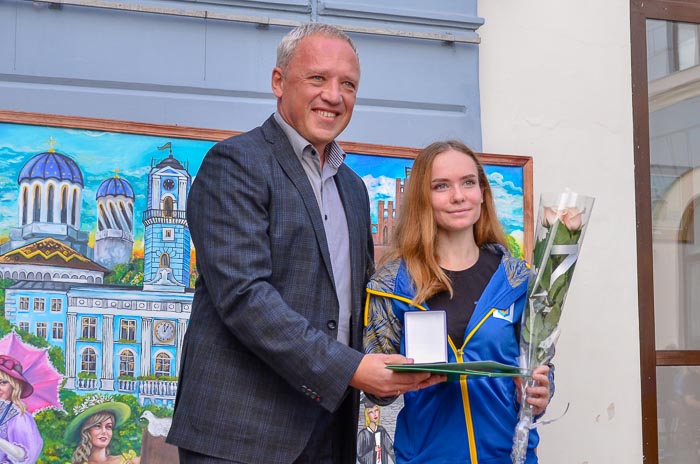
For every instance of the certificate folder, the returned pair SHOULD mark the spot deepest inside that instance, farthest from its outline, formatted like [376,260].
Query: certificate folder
[456,370]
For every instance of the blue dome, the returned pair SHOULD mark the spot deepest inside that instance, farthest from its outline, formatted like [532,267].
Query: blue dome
[115,186]
[51,165]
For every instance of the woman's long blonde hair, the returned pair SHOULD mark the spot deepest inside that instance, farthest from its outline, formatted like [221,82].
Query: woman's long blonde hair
[415,234]
[16,396]
[84,449]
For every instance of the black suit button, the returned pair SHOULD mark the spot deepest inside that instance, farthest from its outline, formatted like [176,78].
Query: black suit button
[332,325]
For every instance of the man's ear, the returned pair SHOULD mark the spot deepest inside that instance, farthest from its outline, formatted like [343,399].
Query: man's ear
[277,82]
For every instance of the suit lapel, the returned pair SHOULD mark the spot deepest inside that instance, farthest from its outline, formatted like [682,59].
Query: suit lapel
[287,159]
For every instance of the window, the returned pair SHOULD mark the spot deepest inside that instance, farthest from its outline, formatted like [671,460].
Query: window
[57,330]
[41,329]
[49,202]
[127,329]
[163,364]
[666,77]
[64,205]
[89,325]
[56,305]
[167,207]
[36,217]
[168,234]
[126,363]
[24,303]
[685,45]
[88,361]
[39,305]
[24,205]
[23,325]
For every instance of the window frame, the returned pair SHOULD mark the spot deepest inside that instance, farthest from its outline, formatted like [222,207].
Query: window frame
[39,304]
[650,357]
[161,358]
[57,303]
[56,327]
[126,326]
[41,330]
[129,363]
[88,323]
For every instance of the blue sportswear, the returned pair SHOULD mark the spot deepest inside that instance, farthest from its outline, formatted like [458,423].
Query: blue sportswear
[473,420]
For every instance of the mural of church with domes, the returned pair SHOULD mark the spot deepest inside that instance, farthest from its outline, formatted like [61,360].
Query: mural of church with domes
[121,337]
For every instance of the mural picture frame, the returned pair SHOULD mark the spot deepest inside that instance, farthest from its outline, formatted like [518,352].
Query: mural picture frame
[76,309]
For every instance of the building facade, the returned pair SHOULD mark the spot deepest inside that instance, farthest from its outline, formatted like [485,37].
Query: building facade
[123,339]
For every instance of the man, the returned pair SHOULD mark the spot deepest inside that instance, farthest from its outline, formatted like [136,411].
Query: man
[284,249]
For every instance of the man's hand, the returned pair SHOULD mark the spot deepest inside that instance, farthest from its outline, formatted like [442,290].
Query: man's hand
[374,378]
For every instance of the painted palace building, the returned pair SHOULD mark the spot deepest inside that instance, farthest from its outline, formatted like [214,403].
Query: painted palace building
[115,338]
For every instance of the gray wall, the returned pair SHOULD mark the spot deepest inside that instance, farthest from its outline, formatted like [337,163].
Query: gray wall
[163,68]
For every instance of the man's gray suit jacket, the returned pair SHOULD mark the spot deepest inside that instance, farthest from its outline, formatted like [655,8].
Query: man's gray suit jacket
[260,357]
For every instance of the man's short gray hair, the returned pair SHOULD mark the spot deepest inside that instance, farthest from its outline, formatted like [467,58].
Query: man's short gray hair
[290,42]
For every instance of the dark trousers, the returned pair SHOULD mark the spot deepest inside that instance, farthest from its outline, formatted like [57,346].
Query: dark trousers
[324,446]
[325,443]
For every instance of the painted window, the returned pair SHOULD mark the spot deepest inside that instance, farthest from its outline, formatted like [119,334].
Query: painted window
[56,305]
[127,329]
[49,202]
[88,361]
[23,325]
[168,207]
[39,305]
[25,200]
[24,303]
[57,330]
[163,361]
[89,325]
[41,329]
[64,205]
[36,217]
[126,363]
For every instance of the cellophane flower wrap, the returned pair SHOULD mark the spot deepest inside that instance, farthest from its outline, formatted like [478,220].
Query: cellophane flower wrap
[561,223]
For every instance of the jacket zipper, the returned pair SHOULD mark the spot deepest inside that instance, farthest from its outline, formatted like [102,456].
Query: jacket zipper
[459,356]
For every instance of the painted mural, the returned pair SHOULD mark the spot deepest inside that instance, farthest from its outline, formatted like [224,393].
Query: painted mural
[97,272]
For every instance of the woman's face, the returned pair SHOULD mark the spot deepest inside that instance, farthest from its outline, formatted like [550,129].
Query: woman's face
[373,414]
[455,193]
[6,390]
[101,434]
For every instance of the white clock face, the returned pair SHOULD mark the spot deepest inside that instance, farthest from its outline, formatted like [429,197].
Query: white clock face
[164,331]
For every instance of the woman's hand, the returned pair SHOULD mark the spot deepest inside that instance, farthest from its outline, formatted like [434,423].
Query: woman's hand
[538,395]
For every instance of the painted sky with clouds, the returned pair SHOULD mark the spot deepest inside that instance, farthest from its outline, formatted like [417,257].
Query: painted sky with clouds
[380,174]
[99,154]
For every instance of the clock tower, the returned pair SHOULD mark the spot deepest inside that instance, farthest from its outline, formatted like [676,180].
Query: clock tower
[166,234]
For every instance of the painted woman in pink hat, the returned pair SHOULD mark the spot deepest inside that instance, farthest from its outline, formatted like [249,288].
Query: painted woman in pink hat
[20,441]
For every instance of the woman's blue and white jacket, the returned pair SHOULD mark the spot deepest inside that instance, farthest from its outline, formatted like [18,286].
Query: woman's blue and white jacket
[472,420]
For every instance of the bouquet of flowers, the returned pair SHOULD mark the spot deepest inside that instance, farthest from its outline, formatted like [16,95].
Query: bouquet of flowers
[561,223]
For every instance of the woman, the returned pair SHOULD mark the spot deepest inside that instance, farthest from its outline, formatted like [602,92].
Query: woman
[20,441]
[92,430]
[374,445]
[449,253]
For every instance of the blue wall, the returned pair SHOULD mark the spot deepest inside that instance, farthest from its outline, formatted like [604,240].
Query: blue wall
[160,68]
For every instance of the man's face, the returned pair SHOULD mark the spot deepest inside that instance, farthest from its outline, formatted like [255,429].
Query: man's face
[317,90]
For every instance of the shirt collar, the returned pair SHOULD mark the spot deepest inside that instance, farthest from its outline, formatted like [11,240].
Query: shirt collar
[334,155]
